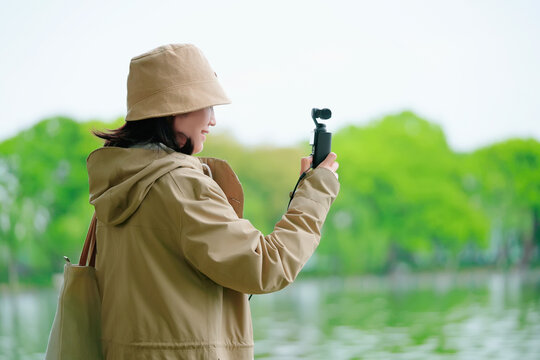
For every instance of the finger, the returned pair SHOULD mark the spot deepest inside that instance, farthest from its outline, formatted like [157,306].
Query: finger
[306,160]
[329,159]
[332,167]
[305,163]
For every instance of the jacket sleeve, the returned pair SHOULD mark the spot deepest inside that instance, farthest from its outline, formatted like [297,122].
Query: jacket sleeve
[232,252]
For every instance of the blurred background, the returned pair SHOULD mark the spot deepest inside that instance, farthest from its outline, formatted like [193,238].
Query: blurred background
[431,249]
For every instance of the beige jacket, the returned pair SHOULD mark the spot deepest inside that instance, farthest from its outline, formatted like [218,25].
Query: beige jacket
[176,260]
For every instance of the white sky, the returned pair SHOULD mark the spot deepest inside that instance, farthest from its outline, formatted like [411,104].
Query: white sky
[472,66]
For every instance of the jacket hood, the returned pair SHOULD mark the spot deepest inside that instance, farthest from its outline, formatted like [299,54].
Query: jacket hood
[120,178]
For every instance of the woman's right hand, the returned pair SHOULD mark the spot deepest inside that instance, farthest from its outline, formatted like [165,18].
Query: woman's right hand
[328,163]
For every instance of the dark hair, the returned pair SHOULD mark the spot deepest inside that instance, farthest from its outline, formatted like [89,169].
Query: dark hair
[147,131]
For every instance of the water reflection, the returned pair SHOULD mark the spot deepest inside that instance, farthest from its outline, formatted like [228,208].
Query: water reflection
[444,316]
[25,321]
[450,316]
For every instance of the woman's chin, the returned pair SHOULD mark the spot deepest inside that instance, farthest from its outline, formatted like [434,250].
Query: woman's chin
[197,148]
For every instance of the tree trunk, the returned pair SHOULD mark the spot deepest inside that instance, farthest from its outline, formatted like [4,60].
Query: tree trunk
[13,274]
[391,258]
[531,242]
[503,252]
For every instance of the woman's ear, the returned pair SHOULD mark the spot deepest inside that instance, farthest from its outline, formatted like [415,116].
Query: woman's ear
[181,138]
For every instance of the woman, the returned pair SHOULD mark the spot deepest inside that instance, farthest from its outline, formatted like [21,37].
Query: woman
[175,258]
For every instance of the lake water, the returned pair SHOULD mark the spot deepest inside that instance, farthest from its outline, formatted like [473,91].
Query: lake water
[441,316]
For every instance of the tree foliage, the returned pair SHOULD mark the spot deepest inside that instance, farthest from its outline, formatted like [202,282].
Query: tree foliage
[506,179]
[406,197]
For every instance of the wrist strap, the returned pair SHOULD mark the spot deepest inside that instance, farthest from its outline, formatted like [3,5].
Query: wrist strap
[294,191]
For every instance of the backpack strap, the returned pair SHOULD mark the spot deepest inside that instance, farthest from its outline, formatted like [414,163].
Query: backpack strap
[227,180]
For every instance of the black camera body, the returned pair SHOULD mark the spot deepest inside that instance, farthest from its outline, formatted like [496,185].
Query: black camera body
[321,141]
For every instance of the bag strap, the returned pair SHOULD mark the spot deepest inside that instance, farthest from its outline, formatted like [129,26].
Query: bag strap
[90,245]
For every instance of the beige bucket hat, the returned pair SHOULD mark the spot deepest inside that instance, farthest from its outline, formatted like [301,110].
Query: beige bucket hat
[171,79]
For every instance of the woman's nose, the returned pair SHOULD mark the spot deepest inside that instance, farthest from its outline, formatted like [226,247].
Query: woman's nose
[212,118]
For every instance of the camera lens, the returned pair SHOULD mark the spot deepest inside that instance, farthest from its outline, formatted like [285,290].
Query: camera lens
[325,114]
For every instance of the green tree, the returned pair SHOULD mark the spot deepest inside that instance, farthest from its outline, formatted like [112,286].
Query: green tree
[405,197]
[506,176]
[49,209]
[402,198]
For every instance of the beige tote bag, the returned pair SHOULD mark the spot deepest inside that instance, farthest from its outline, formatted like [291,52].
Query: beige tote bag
[76,330]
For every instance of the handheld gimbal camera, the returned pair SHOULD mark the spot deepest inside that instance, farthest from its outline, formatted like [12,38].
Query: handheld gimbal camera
[321,143]
[322,140]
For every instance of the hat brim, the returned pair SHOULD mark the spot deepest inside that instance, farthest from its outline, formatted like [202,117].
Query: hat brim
[179,100]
